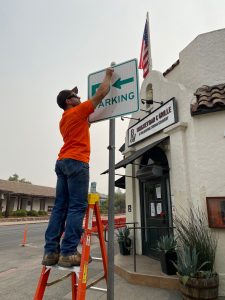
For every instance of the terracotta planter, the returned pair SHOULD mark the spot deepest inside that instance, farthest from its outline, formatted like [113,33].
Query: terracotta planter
[200,288]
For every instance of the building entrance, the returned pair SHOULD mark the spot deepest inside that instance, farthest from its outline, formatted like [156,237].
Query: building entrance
[155,200]
[155,212]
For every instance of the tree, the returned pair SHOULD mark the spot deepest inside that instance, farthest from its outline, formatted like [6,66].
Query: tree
[104,207]
[15,177]
[120,203]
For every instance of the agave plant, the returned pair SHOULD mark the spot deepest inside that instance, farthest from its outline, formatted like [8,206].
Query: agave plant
[193,232]
[123,236]
[188,263]
[166,243]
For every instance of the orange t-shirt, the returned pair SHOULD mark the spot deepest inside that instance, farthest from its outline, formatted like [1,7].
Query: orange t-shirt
[74,128]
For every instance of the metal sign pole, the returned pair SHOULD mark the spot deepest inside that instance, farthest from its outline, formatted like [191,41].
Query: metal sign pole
[110,280]
[110,277]
[124,85]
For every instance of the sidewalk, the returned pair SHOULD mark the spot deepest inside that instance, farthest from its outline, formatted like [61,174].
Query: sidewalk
[148,272]
[147,283]
[126,291]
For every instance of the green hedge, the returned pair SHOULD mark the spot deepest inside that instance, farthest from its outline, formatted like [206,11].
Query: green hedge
[42,213]
[32,213]
[19,213]
[24,213]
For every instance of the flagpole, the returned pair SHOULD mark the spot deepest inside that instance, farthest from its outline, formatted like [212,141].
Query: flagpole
[149,44]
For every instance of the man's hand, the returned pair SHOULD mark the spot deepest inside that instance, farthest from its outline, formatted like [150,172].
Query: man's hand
[104,88]
[109,72]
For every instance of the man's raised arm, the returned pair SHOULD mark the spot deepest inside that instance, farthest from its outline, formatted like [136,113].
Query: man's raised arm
[103,90]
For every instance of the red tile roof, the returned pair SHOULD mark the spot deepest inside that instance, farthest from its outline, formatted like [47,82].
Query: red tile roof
[209,99]
[171,68]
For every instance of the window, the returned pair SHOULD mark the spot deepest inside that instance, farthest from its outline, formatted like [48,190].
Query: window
[149,94]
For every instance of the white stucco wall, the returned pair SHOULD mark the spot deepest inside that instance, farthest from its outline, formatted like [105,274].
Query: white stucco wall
[202,61]
[36,205]
[49,202]
[210,173]
[3,205]
[175,74]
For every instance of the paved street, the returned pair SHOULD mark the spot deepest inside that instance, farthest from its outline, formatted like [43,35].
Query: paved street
[20,266]
[12,236]
[20,269]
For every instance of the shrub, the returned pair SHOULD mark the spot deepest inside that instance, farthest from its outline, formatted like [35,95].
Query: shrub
[32,213]
[19,213]
[188,263]
[166,243]
[1,214]
[42,213]
[123,235]
[193,232]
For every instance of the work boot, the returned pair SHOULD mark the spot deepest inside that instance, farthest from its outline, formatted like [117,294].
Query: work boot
[50,259]
[71,260]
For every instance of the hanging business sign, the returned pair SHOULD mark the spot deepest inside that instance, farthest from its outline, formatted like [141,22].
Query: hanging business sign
[123,97]
[159,119]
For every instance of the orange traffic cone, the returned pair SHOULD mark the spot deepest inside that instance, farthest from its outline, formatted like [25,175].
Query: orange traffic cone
[24,236]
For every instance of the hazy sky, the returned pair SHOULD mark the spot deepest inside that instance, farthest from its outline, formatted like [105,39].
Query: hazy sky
[50,45]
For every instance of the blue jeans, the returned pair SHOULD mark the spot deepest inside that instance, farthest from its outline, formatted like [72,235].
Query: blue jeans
[69,208]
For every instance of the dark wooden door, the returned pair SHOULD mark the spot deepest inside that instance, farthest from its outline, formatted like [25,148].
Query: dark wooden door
[155,214]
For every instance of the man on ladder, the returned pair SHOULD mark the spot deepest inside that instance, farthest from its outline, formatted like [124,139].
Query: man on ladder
[72,171]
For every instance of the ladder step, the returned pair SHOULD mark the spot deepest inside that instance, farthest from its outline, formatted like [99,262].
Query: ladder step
[95,281]
[75,269]
[96,258]
[58,280]
[98,289]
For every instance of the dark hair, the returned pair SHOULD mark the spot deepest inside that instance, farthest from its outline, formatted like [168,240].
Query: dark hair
[61,98]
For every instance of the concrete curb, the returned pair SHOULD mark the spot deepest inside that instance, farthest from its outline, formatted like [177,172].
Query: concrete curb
[23,222]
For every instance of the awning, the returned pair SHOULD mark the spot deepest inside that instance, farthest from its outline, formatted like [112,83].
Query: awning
[120,183]
[137,154]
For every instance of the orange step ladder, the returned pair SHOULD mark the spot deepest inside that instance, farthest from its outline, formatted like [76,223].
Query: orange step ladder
[79,275]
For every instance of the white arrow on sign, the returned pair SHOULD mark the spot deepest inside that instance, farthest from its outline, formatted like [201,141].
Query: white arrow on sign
[123,97]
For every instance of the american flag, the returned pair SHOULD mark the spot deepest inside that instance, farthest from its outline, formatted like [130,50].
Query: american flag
[144,57]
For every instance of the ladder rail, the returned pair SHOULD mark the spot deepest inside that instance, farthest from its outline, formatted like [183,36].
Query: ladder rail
[42,283]
[101,239]
[82,280]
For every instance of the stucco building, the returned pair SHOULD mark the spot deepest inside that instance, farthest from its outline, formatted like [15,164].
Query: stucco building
[17,195]
[176,153]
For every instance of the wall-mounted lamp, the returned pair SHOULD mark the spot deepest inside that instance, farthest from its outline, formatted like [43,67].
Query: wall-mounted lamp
[122,118]
[143,101]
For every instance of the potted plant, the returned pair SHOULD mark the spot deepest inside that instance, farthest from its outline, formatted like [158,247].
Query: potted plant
[124,240]
[196,256]
[167,253]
